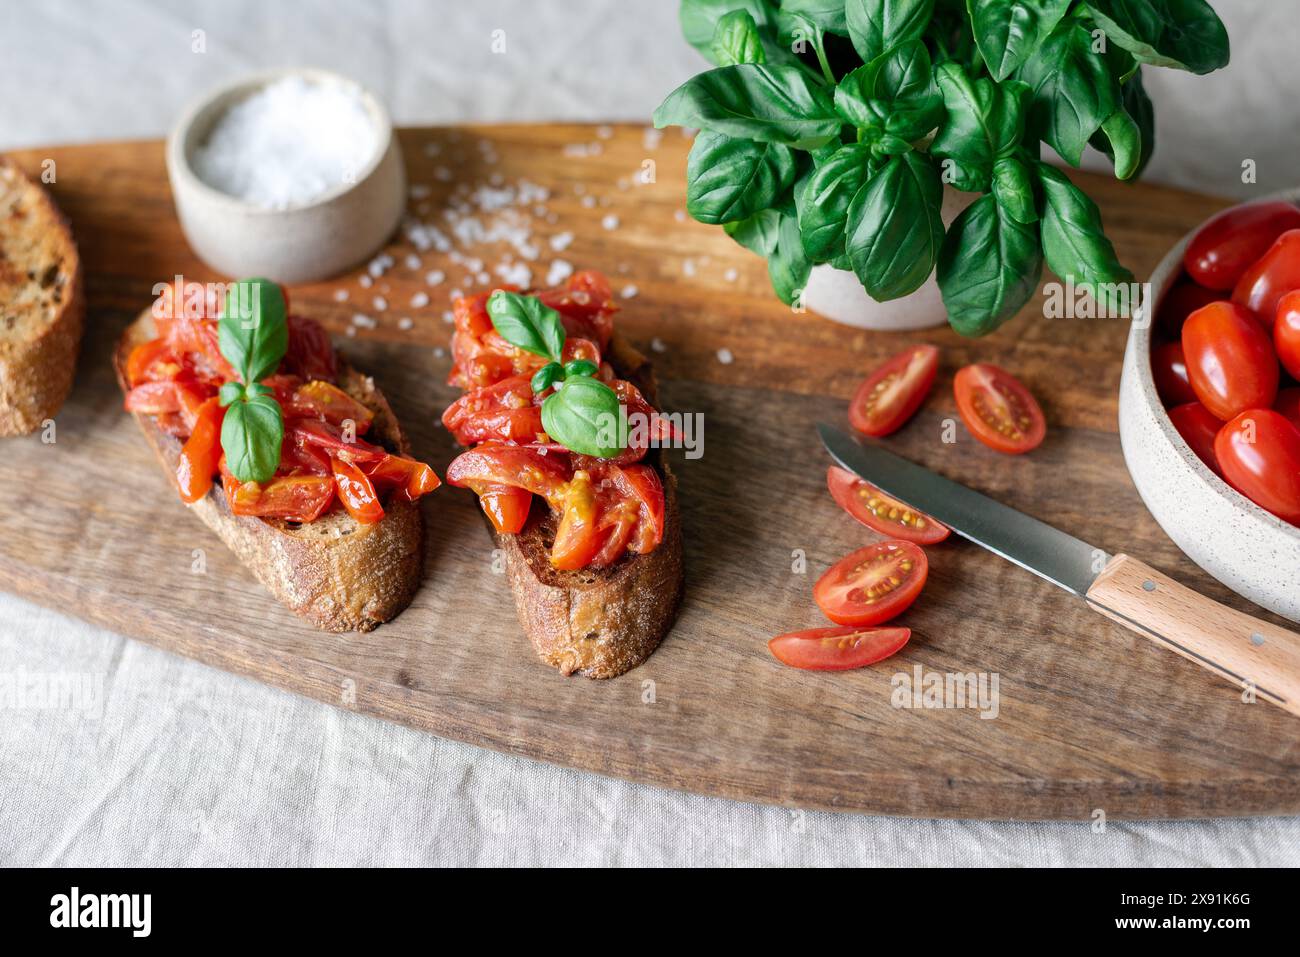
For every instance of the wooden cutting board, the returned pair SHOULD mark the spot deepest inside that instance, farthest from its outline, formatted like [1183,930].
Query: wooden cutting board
[1090,718]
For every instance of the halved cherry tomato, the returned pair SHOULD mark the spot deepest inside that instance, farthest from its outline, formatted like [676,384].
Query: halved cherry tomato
[873,584]
[1259,451]
[893,393]
[998,410]
[151,361]
[410,479]
[201,455]
[1179,303]
[578,536]
[159,398]
[197,341]
[837,649]
[1275,274]
[295,498]
[324,400]
[1230,360]
[1169,369]
[1288,404]
[503,411]
[506,507]
[878,511]
[328,437]
[641,483]
[356,492]
[1199,429]
[544,474]
[1286,332]
[1229,243]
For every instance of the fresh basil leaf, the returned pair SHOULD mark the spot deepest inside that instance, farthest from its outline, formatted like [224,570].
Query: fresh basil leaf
[1073,90]
[1136,141]
[230,392]
[799,33]
[581,367]
[1125,142]
[1013,187]
[906,83]
[827,14]
[1184,34]
[855,98]
[527,323]
[737,40]
[758,233]
[547,376]
[1008,32]
[730,179]
[1074,244]
[983,121]
[877,26]
[894,230]
[824,201]
[251,436]
[253,332]
[989,267]
[771,104]
[788,266]
[699,19]
[584,415]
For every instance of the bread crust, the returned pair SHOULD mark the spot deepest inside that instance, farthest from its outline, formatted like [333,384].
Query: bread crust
[336,573]
[36,371]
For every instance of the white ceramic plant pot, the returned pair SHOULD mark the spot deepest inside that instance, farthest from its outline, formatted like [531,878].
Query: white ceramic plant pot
[837,294]
[1254,553]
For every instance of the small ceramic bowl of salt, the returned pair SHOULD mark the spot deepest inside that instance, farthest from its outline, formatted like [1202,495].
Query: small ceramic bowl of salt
[294,175]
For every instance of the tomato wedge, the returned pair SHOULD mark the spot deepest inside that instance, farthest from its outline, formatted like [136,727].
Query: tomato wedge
[1230,360]
[892,394]
[876,510]
[837,649]
[998,410]
[410,479]
[356,492]
[873,584]
[1234,240]
[1259,451]
[578,538]
[1199,428]
[201,455]
[506,507]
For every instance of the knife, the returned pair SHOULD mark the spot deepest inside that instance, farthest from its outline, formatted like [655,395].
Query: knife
[1253,654]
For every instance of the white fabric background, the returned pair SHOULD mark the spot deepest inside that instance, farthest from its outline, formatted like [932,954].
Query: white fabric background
[188,765]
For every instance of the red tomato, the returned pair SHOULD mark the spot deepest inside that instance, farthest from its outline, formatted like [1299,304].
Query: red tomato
[1179,303]
[1230,360]
[296,498]
[837,649]
[1272,277]
[1169,369]
[502,411]
[878,511]
[506,507]
[873,584]
[1229,243]
[893,393]
[356,492]
[310,353]
[1286,332]
[409,478]
[1198,428]
[201,455]
[578,537]
[151,361]
[1288,403]
[998,410]
[320,399]
[324,436]
[1259,451]
[640,484]
[546,475]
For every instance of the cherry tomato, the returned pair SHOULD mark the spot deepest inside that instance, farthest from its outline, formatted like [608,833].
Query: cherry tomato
[503,411]
[998,410]
[1286,332]
[1259,451]
[893,393]
[201,455]
[506,507]
[356,492]
[1179,303]
[151,361]
[296,498]
[641,484]
[1230,360]
[878,511]
[410,479]
[578,537]
[1169,369]
[330,439]
[873,584]
[1273,276]
[1198,428]
[541,474]
[309,354]
[1288,404]
[320,399]
[1234,240]
[837,649]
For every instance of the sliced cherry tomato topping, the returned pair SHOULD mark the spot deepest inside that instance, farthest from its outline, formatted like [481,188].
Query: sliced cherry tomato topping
[878,511]
[201,455]
[578,538]
[328,437]
[506,507]
[1275,274]
[158,398]
[1230,360]
[294,498]
[641,483]
[1199,429]
[998,410]
[893,393]
[310,354]
[356,492]
[320,399]
[1229,243]
[151,361]
[837,649]
[1179,303]
[1169,369]
[1288,404]
[196,340]
[502,411]
[410,479]
[1286,333]
[1259,452]
[534,470]
[873,584]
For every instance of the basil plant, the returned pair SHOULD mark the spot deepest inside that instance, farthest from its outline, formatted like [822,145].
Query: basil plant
[829,127]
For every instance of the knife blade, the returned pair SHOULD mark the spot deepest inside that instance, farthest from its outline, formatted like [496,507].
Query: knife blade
[1254,654]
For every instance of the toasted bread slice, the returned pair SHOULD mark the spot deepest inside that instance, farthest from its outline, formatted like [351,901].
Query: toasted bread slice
[599,622]
[42,305]
[335,572]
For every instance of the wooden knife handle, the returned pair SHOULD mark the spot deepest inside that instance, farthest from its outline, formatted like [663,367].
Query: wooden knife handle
[1245,650]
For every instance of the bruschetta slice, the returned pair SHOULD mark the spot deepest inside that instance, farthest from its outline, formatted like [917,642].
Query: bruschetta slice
[336,534]
[592,542]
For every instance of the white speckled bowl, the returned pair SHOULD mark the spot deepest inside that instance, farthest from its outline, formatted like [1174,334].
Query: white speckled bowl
[299,244]
[1251,551]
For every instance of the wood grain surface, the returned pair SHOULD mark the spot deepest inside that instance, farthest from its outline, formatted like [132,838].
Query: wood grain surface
[1089,717]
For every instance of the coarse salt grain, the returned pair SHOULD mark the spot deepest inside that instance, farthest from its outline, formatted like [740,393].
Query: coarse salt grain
[289,143]
[629,291]
[658,345]
[435,277]
[340,295]
[610,222]
[405,323]
[560,241]
[561,269]
[725,356]
[419,300]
